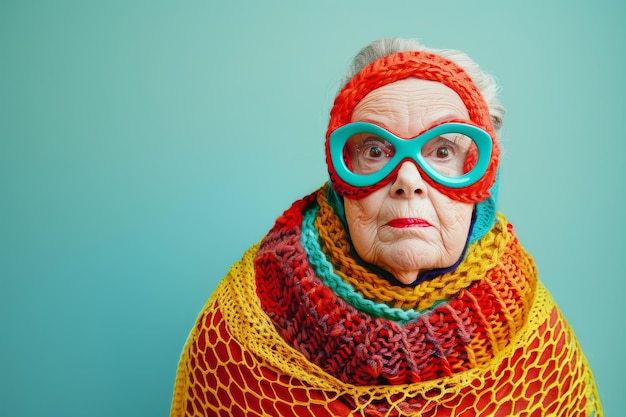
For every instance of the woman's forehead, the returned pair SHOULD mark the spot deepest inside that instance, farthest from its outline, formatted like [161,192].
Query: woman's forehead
[409,106]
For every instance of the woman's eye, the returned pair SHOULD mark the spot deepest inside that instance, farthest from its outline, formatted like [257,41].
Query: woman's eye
[446,155]
[375,152]
[374,148]
[368,153]
[443,152]
[440,149]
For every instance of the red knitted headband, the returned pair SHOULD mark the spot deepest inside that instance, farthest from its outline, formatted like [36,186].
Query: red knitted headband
[425,66]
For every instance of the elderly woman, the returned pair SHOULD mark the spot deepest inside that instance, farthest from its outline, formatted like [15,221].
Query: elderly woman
[396,289]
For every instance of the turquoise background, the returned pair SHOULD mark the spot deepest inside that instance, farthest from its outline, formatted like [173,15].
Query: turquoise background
[144,145]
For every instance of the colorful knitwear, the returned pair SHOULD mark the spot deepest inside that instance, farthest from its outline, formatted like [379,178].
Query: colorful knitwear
[299,327]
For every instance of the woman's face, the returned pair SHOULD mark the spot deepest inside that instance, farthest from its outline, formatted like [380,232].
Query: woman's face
[408,226]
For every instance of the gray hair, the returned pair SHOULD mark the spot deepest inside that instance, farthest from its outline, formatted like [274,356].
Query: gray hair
[383,47]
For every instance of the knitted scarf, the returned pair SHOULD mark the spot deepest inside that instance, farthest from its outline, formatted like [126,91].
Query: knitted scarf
[362,330]
[300,327]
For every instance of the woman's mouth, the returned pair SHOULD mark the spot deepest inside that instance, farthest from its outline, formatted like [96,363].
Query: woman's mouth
[408,222]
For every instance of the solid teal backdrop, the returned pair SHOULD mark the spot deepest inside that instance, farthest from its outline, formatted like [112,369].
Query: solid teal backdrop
[144,145]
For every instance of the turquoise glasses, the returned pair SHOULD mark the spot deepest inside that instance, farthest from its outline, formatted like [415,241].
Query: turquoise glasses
[364,154]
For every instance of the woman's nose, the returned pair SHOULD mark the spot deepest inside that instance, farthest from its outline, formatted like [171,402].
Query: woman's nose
[408,183]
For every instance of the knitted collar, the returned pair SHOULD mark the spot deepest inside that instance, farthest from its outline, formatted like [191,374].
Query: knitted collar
[363,330]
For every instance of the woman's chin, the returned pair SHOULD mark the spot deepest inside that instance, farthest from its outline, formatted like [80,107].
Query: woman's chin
[406,278]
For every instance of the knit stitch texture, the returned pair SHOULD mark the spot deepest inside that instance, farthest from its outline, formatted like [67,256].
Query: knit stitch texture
[299,328]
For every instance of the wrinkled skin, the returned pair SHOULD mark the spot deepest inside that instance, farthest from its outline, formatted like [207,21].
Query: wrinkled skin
[430,229]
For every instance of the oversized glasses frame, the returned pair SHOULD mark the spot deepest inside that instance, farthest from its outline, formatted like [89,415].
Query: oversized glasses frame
[410,149]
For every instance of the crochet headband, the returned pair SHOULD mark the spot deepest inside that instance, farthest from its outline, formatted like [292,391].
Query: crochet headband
[425,66]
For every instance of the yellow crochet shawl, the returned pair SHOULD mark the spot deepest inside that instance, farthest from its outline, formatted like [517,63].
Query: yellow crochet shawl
[235,362]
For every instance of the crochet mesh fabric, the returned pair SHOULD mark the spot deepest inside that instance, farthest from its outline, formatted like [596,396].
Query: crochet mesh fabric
[238,361]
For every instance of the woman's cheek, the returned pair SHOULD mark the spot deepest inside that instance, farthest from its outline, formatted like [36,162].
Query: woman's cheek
[455,223]
[364,236]
[362,218]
